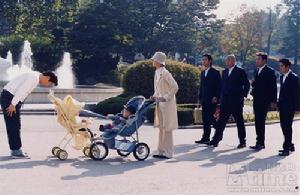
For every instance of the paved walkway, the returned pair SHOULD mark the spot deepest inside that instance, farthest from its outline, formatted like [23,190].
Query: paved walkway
[195,169]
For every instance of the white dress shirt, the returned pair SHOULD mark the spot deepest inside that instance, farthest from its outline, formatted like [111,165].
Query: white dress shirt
[206,71]
[22,86]
[230,70]
[285,75]
[261,68]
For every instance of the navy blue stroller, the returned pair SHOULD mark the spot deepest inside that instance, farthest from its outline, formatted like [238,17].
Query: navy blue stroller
[125,139]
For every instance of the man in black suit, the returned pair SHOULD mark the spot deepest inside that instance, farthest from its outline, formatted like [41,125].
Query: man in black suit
[209,94]
[235,86]
[264,92]
[289,86]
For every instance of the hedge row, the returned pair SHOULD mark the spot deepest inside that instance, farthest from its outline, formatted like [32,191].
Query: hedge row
[112,105]
[185,111]
[138,79]
[115,105]
[185,115]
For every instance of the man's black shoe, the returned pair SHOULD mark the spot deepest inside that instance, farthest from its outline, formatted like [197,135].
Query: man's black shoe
[284,153]
[291,149]
[202,141]
[257,147]
[241,145]
[213,143]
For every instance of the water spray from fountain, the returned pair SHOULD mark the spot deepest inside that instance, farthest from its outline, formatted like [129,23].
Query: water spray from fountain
[65,72]
[9,71]
[26,61]
[65,79]
[9,57]
[4,66]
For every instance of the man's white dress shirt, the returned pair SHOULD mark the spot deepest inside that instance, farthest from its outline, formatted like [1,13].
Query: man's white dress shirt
[230,70]
[285,75]
[21,86]
[261,68]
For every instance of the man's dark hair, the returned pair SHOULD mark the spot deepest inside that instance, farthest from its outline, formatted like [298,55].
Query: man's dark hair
[52,77]
[263,55]
[285,62]
[209,57]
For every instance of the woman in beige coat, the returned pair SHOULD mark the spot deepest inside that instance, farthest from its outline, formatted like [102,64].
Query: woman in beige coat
[165,88]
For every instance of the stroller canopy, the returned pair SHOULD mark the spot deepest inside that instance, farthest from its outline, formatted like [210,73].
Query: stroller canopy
[136,102]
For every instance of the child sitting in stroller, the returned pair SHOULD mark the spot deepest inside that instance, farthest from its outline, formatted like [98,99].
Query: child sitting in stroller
[119,120]
[123,134]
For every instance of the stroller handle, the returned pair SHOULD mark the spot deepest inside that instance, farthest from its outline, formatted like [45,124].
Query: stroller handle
[88,113]
[150,101]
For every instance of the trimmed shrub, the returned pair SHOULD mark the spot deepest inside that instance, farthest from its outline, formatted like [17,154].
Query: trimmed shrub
[150,114]
[185,115]
[138,79]
[115,105]
[192,106]
[112,105]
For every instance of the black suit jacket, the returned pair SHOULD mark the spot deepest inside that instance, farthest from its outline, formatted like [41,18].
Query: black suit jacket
[264,87]
[210,86]
[234,88]
[289,92]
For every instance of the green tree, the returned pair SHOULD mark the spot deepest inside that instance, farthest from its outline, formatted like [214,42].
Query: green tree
[272,20]
[276,29]
[117,28]
[43,23]
[170,27]
[244,36]
[292,40]
[98,32]
[208,39]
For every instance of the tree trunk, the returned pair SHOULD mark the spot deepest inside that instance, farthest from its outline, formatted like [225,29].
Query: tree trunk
[297,34]
[270,33]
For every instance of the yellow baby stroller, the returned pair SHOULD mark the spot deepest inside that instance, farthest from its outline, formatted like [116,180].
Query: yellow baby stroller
[68,111]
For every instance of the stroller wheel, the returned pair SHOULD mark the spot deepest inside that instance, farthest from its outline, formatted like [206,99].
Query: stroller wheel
[122,153]
[62,155]
[86,151]
[141,151]
[98,151]
[55,150]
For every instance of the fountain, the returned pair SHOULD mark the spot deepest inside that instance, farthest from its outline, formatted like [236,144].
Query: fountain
[4,66]
[26,54]
[65,73]
[25,64]
[66,81]
[9,57]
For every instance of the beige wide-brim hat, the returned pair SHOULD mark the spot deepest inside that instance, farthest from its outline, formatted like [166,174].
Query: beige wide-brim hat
[159,57]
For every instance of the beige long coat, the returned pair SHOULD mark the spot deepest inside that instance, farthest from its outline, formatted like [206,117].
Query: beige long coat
[165,86]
